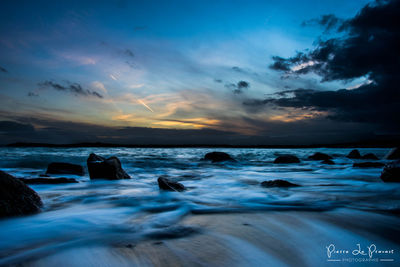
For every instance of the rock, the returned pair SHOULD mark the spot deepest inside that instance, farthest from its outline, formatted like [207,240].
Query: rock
[48,180]
[16,198]
[170,232]
[168,185]
[101,168]
[218,157]
[286,159]
[354,154]
[370,156]
[65,168]
[394,153]
[368,165]
[278,183]
[319,156]
[328,161]
[391,172]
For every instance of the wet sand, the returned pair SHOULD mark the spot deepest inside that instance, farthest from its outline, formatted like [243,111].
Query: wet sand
[290,238]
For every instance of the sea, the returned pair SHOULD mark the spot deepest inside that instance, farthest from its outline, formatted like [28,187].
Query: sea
[124,213]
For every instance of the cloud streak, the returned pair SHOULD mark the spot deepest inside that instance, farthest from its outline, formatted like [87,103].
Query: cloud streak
[329,22]
[33,94]
[238,87]
[3,70]
[74,88]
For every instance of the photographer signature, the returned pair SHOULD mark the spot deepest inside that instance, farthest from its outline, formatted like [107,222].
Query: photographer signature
[370,251]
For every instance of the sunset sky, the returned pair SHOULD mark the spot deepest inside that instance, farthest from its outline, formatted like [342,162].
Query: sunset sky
[237,72]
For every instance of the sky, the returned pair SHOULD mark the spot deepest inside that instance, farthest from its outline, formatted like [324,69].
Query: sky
[199,72]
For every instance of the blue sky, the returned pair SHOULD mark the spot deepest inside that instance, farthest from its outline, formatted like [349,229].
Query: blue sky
[158,64]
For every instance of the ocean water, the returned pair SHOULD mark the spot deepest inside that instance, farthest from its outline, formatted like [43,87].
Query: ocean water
[116,213]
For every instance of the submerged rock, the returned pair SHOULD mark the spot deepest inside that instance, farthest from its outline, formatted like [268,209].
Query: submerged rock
[168,185]
[218,157]
[61,180]
[65,168]
[394,153]
[354,154]
[319,156]
[370,156]
[171,232]
[101,168]
[368,165]
[391,172]
[286,159]
[16,198]
[328,162]
[278,183]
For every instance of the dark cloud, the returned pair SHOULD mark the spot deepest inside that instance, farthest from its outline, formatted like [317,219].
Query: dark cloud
[125,54]
[12,127]
[329,22]
[128,53]
[218,80]
[73,88]
[245,71]
[130,64]
[280,64]
[237,69]
[366,104]
[368,48]
[33,94]
[242,85]
[238,87]
[3,70]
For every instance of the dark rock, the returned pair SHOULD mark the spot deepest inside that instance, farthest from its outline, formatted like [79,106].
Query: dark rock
[44,175]
[368,165]
[48,180]
[101,168]
[328,161]
[65,168]
[319,156]
[168,185]
[218,157]
[278,183]
[286,159]
[391,172]
[394,153]
[354,154]
[171,232]
[16,198]
[370,156]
